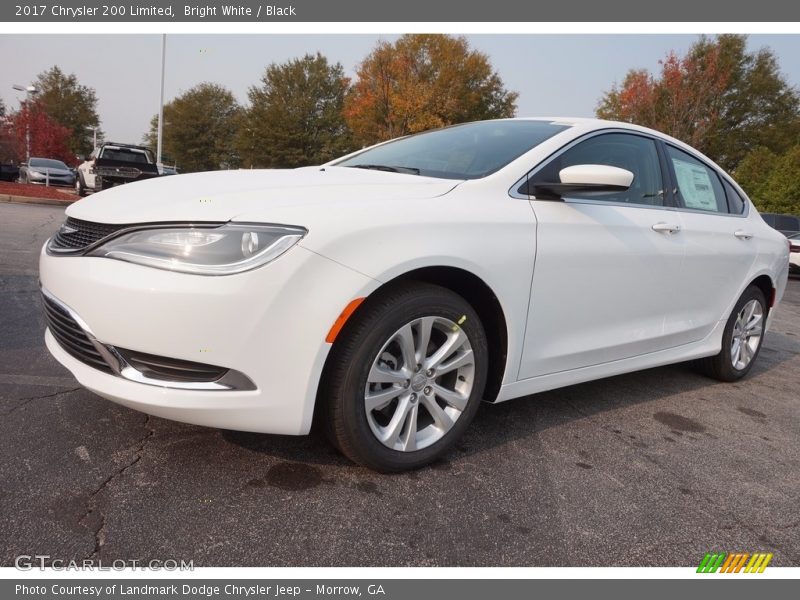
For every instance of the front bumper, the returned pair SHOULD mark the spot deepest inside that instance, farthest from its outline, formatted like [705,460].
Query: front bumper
[68,180]
[268,324]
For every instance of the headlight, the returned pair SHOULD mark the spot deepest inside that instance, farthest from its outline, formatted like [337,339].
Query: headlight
[223,250]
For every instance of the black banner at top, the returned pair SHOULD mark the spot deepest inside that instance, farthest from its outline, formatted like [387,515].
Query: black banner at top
[305,11]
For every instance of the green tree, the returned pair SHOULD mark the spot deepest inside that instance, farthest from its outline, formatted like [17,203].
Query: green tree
[424,81]
[758,107]
[719,97]
[69,104]
[772,180]
[2,108]
[295,115]
[200,129]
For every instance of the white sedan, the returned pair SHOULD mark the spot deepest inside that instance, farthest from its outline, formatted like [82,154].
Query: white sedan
[387,293]
[794,254]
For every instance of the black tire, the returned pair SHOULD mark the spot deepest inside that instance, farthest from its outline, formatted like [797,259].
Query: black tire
[342,389]
[80,187]
[721,366]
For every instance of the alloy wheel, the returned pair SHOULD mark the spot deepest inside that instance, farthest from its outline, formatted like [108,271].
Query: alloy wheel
[419,383]
[747,332]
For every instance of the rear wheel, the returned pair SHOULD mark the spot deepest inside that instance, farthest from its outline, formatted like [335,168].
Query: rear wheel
[80,188]
[405,378]
[741,340]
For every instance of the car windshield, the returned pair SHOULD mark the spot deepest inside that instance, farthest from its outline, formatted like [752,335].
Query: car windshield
[467,151]
[47,163]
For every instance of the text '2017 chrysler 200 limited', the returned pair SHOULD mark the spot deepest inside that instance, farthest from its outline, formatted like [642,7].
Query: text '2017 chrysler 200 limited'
[396,288]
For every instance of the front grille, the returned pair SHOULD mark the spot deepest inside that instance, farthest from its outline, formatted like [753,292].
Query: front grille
[171,369]
[77,235]
[71,336]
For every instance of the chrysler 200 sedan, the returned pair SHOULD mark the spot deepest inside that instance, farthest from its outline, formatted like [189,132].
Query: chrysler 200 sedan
[385,294]
[46,171]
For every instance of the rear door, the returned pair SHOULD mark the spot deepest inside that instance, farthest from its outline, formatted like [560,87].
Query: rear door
[720,248]
[607,268]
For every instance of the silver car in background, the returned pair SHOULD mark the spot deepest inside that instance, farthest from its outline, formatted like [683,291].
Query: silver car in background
[46,171]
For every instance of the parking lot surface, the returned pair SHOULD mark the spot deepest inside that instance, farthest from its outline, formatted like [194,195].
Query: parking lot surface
[651,468]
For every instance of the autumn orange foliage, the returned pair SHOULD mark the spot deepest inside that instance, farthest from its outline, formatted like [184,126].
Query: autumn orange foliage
[421,82]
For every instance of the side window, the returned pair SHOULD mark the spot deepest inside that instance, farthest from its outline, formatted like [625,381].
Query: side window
[735,201]
[635,153]
[699,187]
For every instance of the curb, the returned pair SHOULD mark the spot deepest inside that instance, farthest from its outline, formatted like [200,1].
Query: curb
[28,200]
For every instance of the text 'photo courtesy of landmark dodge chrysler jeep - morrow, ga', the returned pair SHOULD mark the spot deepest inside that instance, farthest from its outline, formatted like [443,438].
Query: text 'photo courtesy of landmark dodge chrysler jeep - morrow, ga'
[113,164]
[386,293]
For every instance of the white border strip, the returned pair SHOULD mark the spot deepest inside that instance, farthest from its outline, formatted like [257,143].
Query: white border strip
[288,27]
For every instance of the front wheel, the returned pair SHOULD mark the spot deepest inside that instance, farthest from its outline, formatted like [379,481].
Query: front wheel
[741,340]
[405,378]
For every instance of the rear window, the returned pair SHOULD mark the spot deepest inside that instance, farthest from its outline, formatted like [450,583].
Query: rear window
[735,201]
[127,154]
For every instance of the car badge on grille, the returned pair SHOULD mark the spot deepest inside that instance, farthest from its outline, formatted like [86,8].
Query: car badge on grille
[66,229]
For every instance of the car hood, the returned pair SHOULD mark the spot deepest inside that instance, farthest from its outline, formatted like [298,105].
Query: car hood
[253,195]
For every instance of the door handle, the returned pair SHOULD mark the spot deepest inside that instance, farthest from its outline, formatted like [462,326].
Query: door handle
[742,235]
[662,227]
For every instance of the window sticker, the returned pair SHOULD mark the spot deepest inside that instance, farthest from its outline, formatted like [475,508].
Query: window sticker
[695,185]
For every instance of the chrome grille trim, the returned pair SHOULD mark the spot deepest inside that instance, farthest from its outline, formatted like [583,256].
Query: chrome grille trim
[76,235]
[74,336]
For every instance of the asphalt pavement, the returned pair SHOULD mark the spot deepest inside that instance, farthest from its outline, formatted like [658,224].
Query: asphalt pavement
[651,468]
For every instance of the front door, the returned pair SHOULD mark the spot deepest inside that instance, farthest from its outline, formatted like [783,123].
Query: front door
[607,265]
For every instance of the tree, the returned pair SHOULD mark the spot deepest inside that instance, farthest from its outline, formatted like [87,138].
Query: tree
[70,104]
[719,98]
[2,108]
[200,129]
[47,138]
[771,180]
[421,82]
[295,117]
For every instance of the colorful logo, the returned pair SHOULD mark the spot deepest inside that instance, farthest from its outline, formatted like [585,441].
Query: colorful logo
[725,562]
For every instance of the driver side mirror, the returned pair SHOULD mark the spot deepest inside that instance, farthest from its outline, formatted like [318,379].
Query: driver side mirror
[582,179]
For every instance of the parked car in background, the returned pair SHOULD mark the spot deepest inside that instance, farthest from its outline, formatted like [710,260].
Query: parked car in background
[787,224]
[47,171]
[794,254]
[9,171]
[388,292]
[114,164]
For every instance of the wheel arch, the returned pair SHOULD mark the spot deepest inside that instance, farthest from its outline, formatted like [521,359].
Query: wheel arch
[765,284]
[470,287]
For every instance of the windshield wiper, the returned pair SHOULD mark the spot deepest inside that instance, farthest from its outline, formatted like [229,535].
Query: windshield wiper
[412,170]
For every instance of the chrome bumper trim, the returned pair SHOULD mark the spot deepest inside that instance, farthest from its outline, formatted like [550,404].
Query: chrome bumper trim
[232,380]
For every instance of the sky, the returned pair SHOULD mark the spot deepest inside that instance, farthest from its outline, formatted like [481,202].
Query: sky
[555,75]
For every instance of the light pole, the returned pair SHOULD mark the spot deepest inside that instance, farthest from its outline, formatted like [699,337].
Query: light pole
[94,136]
[161,100]
[29,90]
